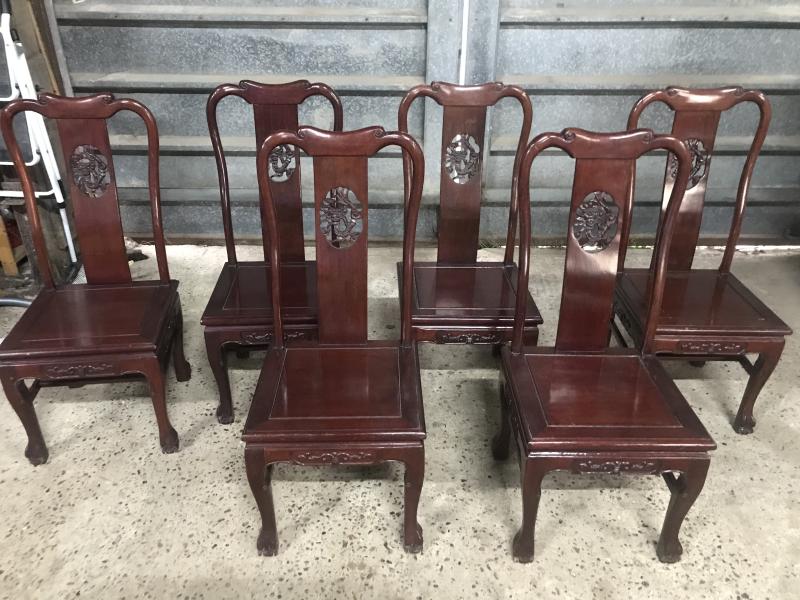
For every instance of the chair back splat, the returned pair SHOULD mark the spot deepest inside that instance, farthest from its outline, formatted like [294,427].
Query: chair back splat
[83,131]
[599,210]
[695,122]
[275,108]
[341,208]
[463,160]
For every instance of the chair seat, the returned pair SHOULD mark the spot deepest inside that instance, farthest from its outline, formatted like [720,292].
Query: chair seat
[367,392]
[615,401]
[92,319]
[483,293]
[242,296]
[699,302]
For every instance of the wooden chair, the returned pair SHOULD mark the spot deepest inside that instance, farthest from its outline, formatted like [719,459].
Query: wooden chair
[457,300]
[238,313]
[344,398]
[707,314]
[581,406]
[112,327]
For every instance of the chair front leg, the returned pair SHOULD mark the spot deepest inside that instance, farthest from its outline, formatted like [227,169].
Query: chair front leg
[183,370]
[21,399]
[259,476]
[763,368]
[533,472]
[414,476]
[158,392]
[685,489]
[217,359]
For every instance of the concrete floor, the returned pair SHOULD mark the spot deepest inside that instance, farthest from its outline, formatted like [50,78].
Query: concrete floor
[111,517]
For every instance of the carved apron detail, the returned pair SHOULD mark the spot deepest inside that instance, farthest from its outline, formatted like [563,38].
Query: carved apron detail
[461,158]
[90,170]
[341,217]
[596,222]
[712,347]
[83,370]
[333,457]
[282,163]
[617,466]
[449,337]
[700,160]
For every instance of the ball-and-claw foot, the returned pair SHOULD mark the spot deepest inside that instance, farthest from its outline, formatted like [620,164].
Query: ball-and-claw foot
[267,546]
[414,545]
[170,442]
[745,425]
[669,553]
[523,551]
[224,415]
[500,447]
[184,372]
[36,454]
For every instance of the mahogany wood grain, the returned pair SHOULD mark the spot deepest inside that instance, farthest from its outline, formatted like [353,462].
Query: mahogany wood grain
[707,314]
[581,406]
[110,328]
[239,312]
[341,399]
[450,310]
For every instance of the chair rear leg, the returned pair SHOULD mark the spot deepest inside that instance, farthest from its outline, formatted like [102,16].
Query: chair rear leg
[765,365]
[501,440]
[183,370]
[217,359]
[21,399]
[685,489]
[533,472]
[157,381]
[259,476]
[413,479]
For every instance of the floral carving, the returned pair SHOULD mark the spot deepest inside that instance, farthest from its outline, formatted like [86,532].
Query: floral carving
[282,162]
[80,370]
[617,466]
[461,158]
[333,457]
[341,217]
[712,347]
[90,170]
[700,160]
[265,337]
[595,222]
[446,337]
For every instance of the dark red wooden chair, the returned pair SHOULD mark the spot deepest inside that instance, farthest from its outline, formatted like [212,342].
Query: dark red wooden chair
[707,314]
[457,300]
[343,398]
[239,314]
[582,406]
[112,327]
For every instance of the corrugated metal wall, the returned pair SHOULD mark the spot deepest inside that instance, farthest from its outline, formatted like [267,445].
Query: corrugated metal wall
[584,63]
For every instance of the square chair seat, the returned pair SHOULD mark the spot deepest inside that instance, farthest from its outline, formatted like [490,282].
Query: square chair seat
[699,302]
[242,294]
[365,392]
[612,401]
[483,293]
[82,319]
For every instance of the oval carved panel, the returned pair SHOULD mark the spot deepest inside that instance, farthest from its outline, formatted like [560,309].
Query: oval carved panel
[595,222]
[700,160]
[282,162]
[90,170]
[340,217]
[462,157]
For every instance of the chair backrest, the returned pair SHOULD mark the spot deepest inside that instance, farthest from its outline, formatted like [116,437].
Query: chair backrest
[463,159]
[696,119]
[599,210]
[275,108]
[341,209]
[83,131]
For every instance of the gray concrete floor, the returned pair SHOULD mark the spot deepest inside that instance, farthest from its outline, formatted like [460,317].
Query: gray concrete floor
[110,517]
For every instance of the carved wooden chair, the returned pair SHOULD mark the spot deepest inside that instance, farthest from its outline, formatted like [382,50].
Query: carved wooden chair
[112,327]
[457,299]
[238,313]
[707,314]
[581,406]
[343,398]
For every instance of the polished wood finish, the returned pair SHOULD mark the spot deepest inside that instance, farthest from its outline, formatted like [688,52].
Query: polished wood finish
[457,299]
[581,406]
[707,314]
[239,312]
[340,399]
[110,328]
